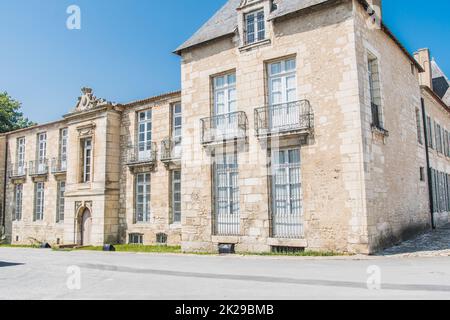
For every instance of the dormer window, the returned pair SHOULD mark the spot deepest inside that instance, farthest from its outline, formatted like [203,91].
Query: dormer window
[255,27]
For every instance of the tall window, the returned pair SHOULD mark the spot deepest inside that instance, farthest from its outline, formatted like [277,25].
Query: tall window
[282,93]
[38,201]
[255,27]
[143,197]
[145,135]
[430,132]
[21,156]
[42,152]
[375,91]
[437,132]
[225,120]
[419,127]
[87,159]
[60,202]
[445,138]
[226,194]
[176,196]
[177,122]
[63,149]
[286,194]
[18,195]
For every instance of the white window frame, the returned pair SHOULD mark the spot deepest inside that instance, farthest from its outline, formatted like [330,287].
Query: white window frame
[176,214]
[39,197]
[87,160]
[63,136]
[258,26]
[144,134]
[42,152]
[225,106]
[18,199]
[21,155]
[60,206]
[177,115]
[143,180]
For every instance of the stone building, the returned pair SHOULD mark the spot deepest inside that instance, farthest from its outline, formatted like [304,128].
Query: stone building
[300,124]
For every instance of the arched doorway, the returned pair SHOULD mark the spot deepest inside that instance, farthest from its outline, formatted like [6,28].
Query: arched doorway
[86,227]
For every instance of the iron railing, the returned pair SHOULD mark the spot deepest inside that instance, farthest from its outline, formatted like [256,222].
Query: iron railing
[224,127]
[170,150]
[59,165]
[17,170]
[143,152]
[38,167]
[284,118]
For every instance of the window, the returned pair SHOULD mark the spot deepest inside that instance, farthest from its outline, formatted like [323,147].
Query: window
[87,159]
[226,194]
[176,196]
[145,135]
[375,91]
[135,238]
[255,27]
[143,197]
[419,127]
[60,201]
[225,119]
[177,121]
[429,132]
[42,152]
[445,138]
[422,174]
[20,156]
[63,149]
[18,196]
[437,132]
[39,201]
[286,194]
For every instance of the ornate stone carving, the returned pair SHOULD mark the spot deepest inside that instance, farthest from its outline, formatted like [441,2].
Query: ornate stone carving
[88,101]
[86,130]
[78,205]
[88,205]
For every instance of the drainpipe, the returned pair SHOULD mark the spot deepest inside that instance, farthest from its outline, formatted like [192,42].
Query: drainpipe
[427,154]
[4,184]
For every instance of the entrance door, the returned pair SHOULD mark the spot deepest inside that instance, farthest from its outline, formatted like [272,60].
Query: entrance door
[86,228]
[286,190]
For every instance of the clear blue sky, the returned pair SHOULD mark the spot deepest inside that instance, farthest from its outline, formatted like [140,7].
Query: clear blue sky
[123,49]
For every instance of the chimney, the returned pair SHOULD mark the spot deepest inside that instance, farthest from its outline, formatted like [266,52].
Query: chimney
[423,57]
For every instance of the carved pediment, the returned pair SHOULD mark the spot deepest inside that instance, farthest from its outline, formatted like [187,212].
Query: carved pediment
[245,3]
[88,101]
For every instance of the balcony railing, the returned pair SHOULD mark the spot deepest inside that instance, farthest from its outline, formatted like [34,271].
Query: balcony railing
[17,170]
[142,153]
[170,149]
[285,118]
[59,165]
[38,167]
[224,127]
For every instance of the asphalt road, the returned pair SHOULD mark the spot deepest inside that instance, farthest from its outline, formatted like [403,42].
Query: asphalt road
[46,274]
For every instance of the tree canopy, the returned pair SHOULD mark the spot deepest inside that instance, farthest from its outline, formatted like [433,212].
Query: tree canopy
[10,116]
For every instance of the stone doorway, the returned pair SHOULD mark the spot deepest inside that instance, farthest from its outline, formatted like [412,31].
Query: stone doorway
[86,227]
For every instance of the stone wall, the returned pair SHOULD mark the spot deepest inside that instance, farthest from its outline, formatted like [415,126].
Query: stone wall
[396,200]
[2,177]
[323,42]
[160,221]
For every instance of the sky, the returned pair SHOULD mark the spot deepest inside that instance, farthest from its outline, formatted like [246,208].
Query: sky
[124,47]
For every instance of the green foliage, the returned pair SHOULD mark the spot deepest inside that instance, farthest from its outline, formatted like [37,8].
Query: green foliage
[10,116]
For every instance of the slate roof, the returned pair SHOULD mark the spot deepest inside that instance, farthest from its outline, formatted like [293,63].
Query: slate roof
[441,84]
[224,22]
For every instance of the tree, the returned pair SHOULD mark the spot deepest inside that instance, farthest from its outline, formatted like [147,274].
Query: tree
[10,116]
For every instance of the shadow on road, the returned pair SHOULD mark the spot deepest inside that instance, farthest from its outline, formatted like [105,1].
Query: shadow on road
[434,241]
[9,264]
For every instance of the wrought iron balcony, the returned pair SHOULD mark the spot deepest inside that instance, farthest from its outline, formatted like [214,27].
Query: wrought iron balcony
[170,150]
[38,167]
[59,165]
[17,170]
[141,154]
[285,118]
[225,127]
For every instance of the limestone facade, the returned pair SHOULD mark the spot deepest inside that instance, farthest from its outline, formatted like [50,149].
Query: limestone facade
[277,145]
